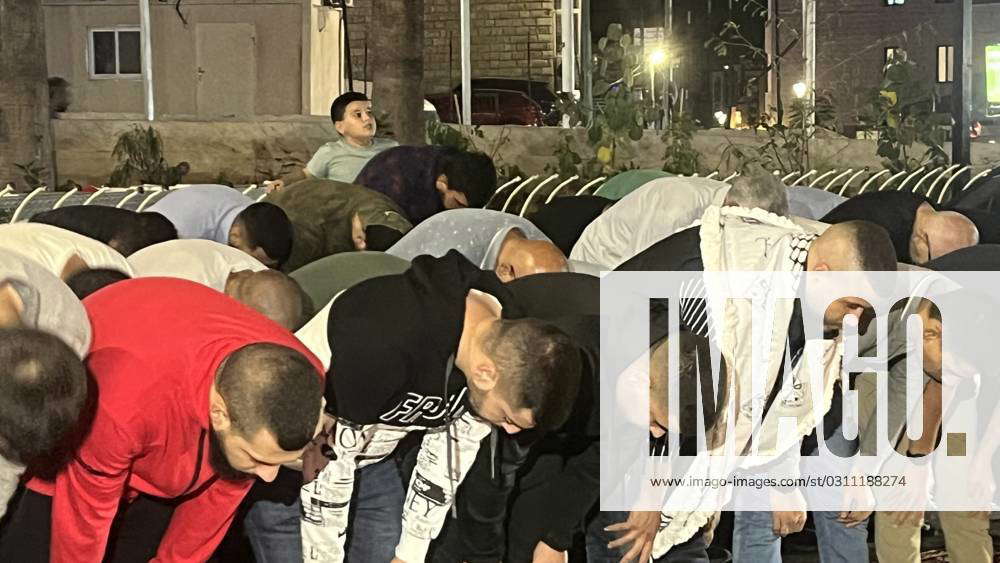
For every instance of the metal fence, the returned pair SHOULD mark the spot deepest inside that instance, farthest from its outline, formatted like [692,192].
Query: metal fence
[523,195]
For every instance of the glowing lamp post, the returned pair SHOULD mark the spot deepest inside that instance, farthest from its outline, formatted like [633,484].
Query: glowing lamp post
[656,58]
[799,89]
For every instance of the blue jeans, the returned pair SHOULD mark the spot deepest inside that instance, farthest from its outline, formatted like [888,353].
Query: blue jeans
[754,541]
[692,551]
[375,521]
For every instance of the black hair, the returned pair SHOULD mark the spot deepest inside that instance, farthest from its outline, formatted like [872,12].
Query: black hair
[86,282]
[271,387]
[150,228]
[380,237]
[44,393]
[339,106]
[124,230]
[268,227]
[471,173]
[540,368]
[875,252]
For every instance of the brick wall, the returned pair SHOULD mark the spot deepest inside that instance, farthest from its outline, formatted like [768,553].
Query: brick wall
[851,37]
[503,32]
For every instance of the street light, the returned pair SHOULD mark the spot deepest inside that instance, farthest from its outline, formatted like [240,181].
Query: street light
[720,116]
[799,88]
[656,58]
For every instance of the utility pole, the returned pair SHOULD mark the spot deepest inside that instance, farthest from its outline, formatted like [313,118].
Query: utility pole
[671,50]
[961,93]
[809,54]
[586,62]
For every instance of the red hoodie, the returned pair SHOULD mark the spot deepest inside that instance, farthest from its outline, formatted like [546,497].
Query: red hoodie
[156,348]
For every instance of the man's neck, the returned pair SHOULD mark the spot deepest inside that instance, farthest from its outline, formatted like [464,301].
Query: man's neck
[480,313]
[360,143]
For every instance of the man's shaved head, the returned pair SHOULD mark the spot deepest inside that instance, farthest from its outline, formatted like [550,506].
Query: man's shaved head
[936,233]
[853,246]
[694,369]
[272,293]
[521,257]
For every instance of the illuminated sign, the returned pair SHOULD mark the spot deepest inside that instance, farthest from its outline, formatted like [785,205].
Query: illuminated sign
[993,73]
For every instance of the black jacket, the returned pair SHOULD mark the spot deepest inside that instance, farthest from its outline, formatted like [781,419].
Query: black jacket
[569,301]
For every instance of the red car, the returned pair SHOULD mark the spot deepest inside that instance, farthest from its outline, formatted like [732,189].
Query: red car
[490,107]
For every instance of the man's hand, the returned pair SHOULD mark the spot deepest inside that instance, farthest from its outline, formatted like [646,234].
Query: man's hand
[859,502]
[545,554]
[640,531]
[274,185]
[397,560]
[317,454]
[787,522]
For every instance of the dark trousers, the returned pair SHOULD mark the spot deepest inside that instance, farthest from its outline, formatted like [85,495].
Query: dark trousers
[135,534]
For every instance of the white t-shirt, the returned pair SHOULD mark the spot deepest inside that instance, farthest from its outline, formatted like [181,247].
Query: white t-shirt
[52,247]
[646,216]
[202,261]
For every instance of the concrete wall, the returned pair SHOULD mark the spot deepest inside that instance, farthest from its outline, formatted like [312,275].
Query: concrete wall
[278,26]
[248,151]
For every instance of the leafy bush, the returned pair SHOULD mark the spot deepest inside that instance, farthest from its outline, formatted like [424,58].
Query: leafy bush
[901,112]
[139,153]
[32,173]
[681,156]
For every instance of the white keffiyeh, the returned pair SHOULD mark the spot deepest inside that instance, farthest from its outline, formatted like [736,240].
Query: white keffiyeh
[735,239]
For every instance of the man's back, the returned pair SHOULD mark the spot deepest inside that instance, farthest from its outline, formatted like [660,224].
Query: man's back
[894,211]
[158,344]
[203,261]
[476,233]
[203,211]
[53,247]
[321,212]
[407,175]
[651,213]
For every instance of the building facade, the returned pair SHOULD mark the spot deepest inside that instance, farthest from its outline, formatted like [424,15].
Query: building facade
[855,38]
[216,59]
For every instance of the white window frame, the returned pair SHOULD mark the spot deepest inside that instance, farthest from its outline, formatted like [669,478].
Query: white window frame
[91,54]
[949,64]
[889,54]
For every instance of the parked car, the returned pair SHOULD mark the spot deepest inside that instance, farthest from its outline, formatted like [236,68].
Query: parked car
[537,90]
[490,107]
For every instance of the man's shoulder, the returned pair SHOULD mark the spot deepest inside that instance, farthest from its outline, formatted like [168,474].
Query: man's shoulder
[384,143]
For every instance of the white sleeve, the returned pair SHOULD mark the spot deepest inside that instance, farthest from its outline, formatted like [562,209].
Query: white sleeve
[326,500]
[438,474]
[10,476]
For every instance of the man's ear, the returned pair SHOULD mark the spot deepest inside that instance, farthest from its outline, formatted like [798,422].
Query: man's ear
[259,254]
[441,183]
[505,272]
[11,300]
[73,266]
[218,412]
[484,374]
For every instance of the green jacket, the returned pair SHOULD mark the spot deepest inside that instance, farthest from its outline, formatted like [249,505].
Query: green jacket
[321,212]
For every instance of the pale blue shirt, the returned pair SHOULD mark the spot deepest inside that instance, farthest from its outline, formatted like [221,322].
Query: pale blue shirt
[205,211]
[477,234]
[342,161]
[812,203]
